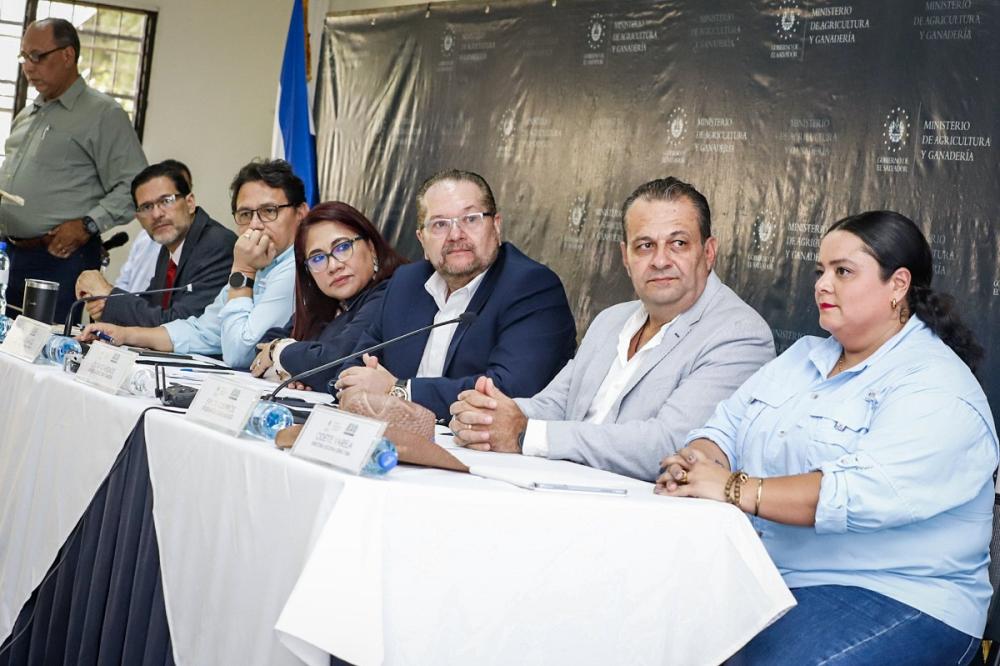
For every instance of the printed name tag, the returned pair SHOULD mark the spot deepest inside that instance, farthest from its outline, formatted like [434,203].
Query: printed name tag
[337,438]
[106,367]
[26,338]
[223,405]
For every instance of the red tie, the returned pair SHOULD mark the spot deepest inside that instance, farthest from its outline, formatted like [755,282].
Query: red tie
[171,276]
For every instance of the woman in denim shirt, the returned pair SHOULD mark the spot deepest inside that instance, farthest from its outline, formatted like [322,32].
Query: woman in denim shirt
[865,460]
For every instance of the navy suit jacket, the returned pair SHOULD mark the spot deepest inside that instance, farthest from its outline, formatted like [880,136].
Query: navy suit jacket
[523,333]
[336,340]
[206,261]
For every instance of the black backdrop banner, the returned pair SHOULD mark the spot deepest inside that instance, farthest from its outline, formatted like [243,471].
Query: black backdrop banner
[786,114]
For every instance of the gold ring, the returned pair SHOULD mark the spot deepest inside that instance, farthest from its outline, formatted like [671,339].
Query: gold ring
[684,477]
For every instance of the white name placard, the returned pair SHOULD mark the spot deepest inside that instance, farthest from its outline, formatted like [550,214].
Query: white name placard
[337,438]
[26,338]
[223,405]
[106,367]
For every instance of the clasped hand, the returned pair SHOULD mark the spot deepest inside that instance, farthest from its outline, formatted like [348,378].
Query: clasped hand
[690,473]
[372,378]
[485,419]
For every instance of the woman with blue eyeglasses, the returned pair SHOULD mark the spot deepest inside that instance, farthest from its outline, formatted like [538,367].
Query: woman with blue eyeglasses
[865,460]
[342,265]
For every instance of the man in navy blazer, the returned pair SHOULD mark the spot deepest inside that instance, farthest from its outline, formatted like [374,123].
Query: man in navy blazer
[523,332]
[200,249]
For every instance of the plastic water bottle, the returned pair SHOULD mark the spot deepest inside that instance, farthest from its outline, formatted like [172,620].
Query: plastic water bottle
[384,457]
[5,324]
[142,381]
[267,419]
[57,347]
[4,279]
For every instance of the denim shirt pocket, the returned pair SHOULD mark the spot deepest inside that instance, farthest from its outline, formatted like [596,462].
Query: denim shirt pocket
[764,403]
[835,429]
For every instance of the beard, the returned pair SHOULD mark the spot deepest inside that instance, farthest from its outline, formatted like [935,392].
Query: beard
[476,265]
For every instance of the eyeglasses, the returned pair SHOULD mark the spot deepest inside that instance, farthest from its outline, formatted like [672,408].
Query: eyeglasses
[163,203]
[266,213]
[35,57]
[342,251]
[442,226]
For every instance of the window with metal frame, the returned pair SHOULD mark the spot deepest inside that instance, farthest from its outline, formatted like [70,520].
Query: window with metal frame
[116,49]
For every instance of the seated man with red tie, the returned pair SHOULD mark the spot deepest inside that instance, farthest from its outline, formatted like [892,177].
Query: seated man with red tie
[195,250]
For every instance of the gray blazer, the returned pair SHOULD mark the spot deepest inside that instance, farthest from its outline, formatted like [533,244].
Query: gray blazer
[705,355]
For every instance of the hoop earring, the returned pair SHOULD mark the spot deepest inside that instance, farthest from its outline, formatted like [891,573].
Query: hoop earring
[893,304]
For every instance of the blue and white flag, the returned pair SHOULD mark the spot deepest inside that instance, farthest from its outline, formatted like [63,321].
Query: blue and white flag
[294,135]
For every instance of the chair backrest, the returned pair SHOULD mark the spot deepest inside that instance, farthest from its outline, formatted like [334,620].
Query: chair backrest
[992,632]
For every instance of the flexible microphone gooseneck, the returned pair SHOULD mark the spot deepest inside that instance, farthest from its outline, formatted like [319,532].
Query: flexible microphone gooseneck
[464,318]
[87,299]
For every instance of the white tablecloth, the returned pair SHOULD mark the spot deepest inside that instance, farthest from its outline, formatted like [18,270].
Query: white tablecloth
[58,440]
[429,566]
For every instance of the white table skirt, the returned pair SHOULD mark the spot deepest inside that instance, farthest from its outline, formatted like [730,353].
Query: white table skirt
[429,566]
[58,440]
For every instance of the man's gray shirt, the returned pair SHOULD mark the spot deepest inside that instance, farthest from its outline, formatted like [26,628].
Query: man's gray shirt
[706,354]
[69,157]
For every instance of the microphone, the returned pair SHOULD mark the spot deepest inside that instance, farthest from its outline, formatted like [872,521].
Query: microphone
[464,318]
[117,240]
[189,287]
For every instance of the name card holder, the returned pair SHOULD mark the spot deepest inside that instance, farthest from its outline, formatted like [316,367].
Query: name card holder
[106,367]
[26,338]
[223,405]
[339,439]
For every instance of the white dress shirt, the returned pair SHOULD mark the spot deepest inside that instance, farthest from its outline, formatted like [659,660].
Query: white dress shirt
[619,375]
[175,256]
[449,307]
[137,271]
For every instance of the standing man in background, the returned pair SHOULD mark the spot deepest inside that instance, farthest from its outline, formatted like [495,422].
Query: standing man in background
[71,154]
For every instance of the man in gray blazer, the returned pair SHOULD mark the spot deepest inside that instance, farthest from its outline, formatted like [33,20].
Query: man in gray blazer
[647,371]
[195,249]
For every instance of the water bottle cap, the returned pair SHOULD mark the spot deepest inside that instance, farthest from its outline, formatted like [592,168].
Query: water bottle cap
[387,459]
[3,245]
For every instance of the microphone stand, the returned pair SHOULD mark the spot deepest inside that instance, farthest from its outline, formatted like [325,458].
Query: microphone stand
[465,317]
[68,327]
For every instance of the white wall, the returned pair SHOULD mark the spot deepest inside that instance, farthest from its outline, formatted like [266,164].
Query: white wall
[213,84]
[212,90]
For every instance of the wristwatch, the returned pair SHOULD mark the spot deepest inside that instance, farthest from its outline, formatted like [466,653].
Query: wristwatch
[399,390]
[90,225]
[239,280]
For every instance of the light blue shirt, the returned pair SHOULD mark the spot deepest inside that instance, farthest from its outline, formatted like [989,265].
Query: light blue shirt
[234,327]
[907,446]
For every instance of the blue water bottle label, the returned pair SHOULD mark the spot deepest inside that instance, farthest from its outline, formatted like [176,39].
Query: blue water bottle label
[338,438]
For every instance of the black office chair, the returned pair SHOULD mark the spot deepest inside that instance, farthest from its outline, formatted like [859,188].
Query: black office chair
[991,637]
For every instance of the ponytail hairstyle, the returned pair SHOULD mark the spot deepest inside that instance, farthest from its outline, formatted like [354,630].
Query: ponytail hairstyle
[896,242]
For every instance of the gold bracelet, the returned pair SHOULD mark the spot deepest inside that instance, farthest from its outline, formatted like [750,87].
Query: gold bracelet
[734,487]
[760,489]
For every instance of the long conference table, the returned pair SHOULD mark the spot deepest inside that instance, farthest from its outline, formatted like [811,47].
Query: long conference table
[248,555]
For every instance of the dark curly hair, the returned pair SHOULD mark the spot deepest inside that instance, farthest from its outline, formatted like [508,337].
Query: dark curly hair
[895,242]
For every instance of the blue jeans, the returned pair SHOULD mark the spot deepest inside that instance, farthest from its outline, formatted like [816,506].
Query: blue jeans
[851,626]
